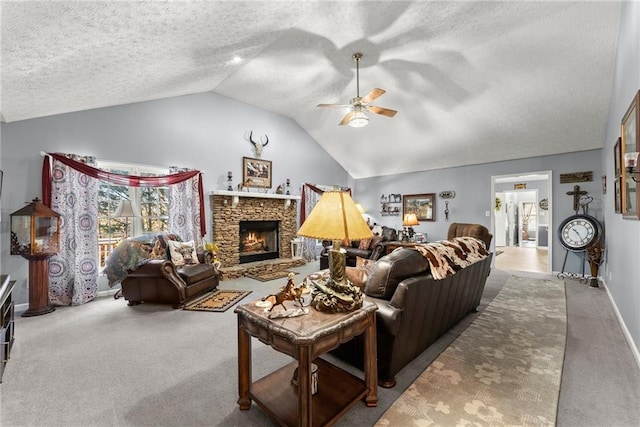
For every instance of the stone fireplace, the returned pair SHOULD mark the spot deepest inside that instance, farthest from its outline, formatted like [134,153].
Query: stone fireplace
[240,253]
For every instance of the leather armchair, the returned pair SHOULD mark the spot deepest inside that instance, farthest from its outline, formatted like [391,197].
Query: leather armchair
[160,281]
[459,229]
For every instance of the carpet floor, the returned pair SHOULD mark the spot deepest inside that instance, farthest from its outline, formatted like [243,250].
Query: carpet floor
[503,370]
[107,364]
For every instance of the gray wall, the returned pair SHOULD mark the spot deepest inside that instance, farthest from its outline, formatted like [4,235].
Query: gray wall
[204,131]
[622,267]
[474,199]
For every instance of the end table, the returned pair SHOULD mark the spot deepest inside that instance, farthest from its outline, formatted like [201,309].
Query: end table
[305,338]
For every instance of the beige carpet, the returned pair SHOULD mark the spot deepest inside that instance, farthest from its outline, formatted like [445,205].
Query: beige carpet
[504,369]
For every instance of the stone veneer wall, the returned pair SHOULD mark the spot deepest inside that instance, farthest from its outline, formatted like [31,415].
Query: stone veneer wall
[226,223]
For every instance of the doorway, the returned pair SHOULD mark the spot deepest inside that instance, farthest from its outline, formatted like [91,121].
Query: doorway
[521,221]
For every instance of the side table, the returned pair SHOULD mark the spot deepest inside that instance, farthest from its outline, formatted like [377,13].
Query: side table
[305,338]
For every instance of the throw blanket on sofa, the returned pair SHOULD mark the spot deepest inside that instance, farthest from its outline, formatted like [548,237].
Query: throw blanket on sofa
[447,257]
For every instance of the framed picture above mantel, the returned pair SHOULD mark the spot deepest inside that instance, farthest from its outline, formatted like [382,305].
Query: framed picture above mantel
[423,205]
[256,173]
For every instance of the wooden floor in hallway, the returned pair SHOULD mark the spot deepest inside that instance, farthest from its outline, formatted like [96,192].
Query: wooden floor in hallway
[522,259]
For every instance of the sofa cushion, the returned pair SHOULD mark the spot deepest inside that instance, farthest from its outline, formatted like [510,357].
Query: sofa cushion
[195,272]
[183,253]
[392,269]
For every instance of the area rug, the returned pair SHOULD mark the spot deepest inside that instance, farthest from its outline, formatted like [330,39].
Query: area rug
[503,370]
[218,300]
[272,275]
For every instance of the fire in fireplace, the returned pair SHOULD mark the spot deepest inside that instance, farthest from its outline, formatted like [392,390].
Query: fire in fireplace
[259,240]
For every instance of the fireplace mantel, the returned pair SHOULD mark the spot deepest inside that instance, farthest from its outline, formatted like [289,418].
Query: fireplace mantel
[235,195]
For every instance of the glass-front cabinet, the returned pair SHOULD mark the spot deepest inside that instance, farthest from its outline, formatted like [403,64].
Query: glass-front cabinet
[35,231]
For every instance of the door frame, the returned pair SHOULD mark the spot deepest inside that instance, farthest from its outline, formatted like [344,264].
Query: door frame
[523,177]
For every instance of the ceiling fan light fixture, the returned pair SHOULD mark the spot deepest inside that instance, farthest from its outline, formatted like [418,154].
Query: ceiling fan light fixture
[358,120]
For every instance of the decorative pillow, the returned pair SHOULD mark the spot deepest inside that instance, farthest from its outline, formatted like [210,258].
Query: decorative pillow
[364,244]
[361,262]
[183,253]
[346,243]
[358,275]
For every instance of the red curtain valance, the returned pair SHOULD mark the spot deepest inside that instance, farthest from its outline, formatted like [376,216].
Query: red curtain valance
[120,179]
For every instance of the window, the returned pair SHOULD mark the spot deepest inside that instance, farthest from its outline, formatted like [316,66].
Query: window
[150,207]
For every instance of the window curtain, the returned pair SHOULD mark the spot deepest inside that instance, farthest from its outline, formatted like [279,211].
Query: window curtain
[73,272]
[310,196]
[70,187]
[185,218]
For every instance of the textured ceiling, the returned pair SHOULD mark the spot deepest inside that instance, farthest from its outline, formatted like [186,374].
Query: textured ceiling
[473,82]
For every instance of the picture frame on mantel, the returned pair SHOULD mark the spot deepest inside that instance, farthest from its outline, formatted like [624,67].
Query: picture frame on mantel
[256,173]
[423,205]
[630,134]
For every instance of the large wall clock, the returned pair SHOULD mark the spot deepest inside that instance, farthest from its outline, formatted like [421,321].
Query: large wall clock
[579,231]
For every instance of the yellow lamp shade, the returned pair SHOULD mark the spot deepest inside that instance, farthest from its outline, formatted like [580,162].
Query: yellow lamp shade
[335,217]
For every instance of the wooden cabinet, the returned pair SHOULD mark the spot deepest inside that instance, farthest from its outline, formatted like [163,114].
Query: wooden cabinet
[6,320]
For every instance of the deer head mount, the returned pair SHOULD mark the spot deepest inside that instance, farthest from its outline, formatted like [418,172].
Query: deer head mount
[258,146]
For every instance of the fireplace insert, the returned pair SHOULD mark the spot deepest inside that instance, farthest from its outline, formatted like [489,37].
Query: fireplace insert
[259,240]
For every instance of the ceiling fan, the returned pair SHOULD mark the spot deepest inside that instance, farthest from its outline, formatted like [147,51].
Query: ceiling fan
[356,117]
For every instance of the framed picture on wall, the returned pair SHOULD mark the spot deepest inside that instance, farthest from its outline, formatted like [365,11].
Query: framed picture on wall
[256,172]
[617,196]
[423,205]
[617,158]
[630,144]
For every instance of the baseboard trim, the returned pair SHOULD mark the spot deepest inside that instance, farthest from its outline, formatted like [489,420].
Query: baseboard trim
[19,308]
[625,330]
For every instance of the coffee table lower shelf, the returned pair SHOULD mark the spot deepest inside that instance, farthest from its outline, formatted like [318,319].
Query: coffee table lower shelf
[338,391]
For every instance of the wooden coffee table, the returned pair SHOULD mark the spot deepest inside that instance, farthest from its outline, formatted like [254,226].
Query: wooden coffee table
[305,338]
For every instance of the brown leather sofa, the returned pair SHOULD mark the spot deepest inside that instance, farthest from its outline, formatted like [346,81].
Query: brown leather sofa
[375,250]
[414,309]
[161,282]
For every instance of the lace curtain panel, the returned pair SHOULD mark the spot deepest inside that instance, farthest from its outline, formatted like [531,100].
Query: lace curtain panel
[73,272]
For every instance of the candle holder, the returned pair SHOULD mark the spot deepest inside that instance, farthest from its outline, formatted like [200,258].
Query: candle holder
[229,181]
[287,186]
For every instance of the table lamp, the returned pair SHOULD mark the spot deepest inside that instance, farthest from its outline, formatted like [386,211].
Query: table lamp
[408,222]
[335,217]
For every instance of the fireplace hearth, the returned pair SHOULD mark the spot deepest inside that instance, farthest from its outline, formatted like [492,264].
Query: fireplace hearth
[258,241]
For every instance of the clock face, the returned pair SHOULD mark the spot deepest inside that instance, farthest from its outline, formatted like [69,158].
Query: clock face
[578,232]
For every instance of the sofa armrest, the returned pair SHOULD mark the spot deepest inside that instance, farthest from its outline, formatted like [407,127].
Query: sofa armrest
[387,316]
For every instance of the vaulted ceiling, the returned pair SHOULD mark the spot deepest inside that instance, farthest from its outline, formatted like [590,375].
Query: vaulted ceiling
[472,81]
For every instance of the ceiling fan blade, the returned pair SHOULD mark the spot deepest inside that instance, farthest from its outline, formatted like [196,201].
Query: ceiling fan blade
[332,105]
[379,110]
[346,118]
[372,95]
